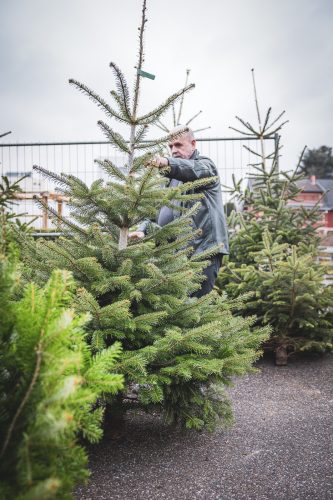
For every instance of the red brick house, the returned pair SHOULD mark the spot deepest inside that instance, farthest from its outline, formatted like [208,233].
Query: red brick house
[320,191]
[314,191]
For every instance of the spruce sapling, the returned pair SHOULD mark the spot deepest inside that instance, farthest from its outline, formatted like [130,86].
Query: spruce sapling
[49,381]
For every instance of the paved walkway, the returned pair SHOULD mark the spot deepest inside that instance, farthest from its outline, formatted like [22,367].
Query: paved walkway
[281,446]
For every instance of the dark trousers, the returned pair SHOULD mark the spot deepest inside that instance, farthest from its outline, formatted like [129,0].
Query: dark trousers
[211,273]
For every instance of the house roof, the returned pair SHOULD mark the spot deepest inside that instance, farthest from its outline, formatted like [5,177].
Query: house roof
[319,186]
[310,185]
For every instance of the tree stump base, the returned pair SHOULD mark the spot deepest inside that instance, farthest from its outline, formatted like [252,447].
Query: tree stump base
[281,356]
[114,425]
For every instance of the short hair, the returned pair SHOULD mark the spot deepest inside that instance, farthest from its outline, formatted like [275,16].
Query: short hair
[182,130]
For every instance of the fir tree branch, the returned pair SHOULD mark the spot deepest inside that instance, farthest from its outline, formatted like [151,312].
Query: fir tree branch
[60,219]
[140,61]
[111,169]
[253,152]
[205,299]
[140,134]
[182,98]
[27,395]
[137,89]
[273,155]
[143,160]
[315,207]
[162,126]
[262,144]
[72,259]
[193,118]
[59,179]
[115,138]
[178,242]
[248,126]
[151,144]
[273,132]
[160,110]
[93,307]
[72,179]
[98,100]
[266,119]
[300,159]
[255,165]
[293,288]
[240,131]
[143,182]
[122,89]
[201,129]
[276,120]
[198,183]
[161,140]
[174,115]
[256,100]
[238,278]
[120,103]
[4,135]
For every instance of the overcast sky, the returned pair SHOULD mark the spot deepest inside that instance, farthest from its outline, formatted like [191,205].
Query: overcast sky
[288,42]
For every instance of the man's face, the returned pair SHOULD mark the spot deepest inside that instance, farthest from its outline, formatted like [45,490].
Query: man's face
[182,146]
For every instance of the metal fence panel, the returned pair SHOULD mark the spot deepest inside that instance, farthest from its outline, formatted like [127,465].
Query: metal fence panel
[77,158]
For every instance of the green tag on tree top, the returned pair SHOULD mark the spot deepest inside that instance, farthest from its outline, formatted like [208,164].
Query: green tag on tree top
[145,74]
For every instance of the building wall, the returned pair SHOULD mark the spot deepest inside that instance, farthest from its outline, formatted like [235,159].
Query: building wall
[308,197]
[329,219]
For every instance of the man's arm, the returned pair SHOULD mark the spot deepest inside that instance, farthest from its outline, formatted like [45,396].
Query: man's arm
[142,230]
[190,170]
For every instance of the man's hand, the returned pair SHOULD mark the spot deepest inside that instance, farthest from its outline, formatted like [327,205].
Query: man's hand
[136,235]
[158,162]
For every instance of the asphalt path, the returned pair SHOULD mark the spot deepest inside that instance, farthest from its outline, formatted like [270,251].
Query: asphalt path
[280,447]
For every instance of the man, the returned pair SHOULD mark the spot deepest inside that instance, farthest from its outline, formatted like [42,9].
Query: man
[185,164]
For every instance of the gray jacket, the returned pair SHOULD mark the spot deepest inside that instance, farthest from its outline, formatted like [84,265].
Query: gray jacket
[210,217]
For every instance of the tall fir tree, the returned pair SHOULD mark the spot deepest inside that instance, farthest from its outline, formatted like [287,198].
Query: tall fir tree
[49,380]
[273,251]
[178,352]
[318,162]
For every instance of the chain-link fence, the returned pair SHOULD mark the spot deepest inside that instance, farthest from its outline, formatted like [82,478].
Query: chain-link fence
[77,158]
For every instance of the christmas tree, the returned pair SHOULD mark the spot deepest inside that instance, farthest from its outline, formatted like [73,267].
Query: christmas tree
[178,351]
[49,382]
[273,250]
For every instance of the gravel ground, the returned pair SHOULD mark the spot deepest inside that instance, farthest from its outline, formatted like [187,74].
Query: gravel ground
[279,448]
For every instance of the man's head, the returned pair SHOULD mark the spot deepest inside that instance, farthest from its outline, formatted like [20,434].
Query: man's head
[182,144]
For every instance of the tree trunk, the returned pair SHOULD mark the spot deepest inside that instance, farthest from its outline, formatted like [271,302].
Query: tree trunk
[281,356]
[123,237]
[114,422]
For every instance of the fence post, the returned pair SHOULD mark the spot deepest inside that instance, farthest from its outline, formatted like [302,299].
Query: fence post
[59,202]
[276,147]
[45,217]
